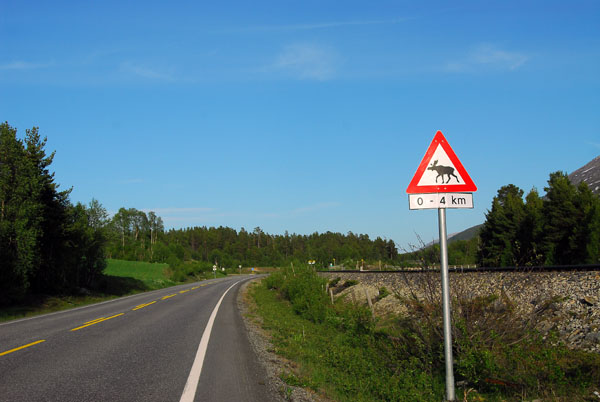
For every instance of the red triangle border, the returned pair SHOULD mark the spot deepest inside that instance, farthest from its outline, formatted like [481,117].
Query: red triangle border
[467,186]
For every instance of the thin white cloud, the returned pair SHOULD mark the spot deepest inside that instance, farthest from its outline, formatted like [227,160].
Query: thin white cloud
[307,61]
[190,216]
[315,207]
[298,211]
[191,219]
[132,181]
[179,210]
[24,65]
[99,55]
[145,72]
[594,144]
[488,56]
[317,25]
[271,215]
[187,216]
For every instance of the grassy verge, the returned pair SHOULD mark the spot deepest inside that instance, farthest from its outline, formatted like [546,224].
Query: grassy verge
[152,275]
[340,356]
[343,353]
[120,278]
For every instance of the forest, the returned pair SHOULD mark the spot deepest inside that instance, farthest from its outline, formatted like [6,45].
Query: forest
[135,235]
[49,245]
[560,228]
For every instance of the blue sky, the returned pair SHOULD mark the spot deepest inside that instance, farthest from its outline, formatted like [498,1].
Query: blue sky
[301,115]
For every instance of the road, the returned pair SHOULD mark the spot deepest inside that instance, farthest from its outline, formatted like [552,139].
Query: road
[146,347]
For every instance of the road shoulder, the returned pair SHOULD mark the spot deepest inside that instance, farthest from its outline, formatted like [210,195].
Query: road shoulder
[263,348]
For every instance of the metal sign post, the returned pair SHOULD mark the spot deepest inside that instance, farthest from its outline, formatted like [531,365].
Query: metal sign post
[442,182]
[446,306]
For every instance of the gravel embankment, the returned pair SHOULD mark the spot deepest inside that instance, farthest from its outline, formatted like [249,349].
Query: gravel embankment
[575,296]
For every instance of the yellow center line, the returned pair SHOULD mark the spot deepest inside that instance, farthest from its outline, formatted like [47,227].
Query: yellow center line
[22,347]
[166,297]
[97,321]
[183,291]
[143,305]
[195,287]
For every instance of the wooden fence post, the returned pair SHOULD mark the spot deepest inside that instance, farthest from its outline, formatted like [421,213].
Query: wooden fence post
[370,302]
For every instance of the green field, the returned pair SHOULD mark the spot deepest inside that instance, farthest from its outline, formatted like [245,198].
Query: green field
[120,278]
[153,275]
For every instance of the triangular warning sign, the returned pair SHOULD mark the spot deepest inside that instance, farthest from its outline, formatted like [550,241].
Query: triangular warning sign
[440,171]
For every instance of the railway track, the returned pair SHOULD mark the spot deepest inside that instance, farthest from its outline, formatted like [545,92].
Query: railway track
[550,268]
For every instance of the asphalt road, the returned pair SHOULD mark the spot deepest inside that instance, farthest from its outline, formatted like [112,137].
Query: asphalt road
[137,348]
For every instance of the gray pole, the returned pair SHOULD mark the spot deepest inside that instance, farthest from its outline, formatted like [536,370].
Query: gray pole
[446,306]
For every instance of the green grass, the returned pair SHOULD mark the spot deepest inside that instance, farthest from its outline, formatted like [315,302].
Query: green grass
[120,278]
[340,364]
[153,275]
[343,353]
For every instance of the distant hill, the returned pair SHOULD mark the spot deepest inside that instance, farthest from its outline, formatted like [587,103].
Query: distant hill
[466,234]
[590,174]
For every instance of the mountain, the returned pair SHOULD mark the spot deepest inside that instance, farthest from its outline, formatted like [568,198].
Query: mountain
[466,234]
[590,174]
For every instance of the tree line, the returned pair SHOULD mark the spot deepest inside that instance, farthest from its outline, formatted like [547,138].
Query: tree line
[560,228]
[47,244]
[136,235]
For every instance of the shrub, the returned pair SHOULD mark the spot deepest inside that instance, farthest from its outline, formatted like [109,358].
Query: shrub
[304,290]
[275,280]
[349,283]
[383,293]
[334,281]
[495,351]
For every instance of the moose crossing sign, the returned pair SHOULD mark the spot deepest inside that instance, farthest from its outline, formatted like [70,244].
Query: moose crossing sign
[440,171]
[442,182]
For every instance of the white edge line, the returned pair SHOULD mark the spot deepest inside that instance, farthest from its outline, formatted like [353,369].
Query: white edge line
[189,391]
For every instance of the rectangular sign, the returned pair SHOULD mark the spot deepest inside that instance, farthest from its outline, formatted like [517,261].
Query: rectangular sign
[440,200]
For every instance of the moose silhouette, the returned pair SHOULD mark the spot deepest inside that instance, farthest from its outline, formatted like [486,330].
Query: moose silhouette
[441,171]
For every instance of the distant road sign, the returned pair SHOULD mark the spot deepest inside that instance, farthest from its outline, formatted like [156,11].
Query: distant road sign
[440,200]
[440,171]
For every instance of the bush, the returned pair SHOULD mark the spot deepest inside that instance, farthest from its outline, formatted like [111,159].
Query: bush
[495,351]
[334,282]
[305,290]
[497,354]
[383,293]
[275,280]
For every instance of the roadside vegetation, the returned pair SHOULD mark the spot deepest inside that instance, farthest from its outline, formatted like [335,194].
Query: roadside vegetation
[560,228]
[120,278]
[345,354]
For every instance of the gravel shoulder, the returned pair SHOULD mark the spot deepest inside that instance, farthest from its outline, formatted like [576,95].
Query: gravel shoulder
[264,349]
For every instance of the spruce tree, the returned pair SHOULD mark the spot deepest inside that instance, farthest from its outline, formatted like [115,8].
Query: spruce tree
[498,235]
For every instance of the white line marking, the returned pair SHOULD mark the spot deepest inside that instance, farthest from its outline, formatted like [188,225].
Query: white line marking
[189,391]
